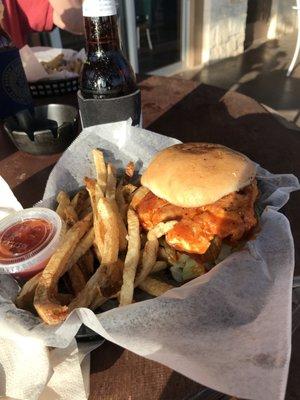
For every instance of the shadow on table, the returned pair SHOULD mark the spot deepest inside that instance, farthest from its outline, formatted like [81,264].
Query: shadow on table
[105,356]
[211,114]
[31,190]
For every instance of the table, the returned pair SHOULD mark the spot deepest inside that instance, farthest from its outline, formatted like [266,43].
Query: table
[189,112]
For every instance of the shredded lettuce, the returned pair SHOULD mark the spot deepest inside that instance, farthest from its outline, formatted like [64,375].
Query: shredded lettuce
[186,268]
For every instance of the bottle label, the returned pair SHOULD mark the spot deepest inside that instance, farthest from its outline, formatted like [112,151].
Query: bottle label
[99,8]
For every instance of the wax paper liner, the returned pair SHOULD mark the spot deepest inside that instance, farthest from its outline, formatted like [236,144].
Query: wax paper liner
[32,57]
[229,329]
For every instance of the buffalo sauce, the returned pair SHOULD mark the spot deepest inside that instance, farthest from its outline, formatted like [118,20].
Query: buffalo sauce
[24,237]
[230,218]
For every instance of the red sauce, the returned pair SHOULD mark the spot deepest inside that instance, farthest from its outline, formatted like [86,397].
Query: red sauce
[23,238]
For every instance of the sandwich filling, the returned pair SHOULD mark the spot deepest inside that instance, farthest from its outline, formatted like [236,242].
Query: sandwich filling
[230,218]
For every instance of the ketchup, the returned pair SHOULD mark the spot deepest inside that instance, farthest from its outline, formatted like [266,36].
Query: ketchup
[24,237]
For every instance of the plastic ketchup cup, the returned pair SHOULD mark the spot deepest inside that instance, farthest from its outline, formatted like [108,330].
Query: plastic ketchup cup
[28,238]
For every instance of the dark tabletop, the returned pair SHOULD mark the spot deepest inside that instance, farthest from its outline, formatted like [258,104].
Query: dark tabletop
[189,112]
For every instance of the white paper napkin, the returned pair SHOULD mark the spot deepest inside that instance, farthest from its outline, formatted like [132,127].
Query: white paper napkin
[28,370]
[8,202]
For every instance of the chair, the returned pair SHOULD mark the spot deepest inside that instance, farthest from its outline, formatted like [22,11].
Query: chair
[143,21]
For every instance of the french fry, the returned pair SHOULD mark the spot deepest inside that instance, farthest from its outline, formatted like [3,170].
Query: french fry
[86,263]
[97,253]
[148,260]
[70,216]
[129,169]
[86,208]
[132,258]
[99,234]
[111,196]
[65,210]
[91,188]
[53,64]
[45,303]
[154,286]
[111,278]
[143,239]
[121,203]
[112,273]
[98,300]
[85,212]
[148,266]
[100,169]
[109,222]
[77,279]
[111,183]
[78,201]
[161,229]
[159,266]
[25,298]
[121,225]
[64,298]
[128,191]
[107,277]
[138,195]
[82,247]
[63,202]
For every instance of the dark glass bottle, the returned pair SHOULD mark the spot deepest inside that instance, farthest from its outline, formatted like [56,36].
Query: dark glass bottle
[106,72]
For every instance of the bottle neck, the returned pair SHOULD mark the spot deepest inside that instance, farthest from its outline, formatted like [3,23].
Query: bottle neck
[101,33]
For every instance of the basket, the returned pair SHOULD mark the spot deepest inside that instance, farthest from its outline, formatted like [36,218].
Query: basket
[56,87]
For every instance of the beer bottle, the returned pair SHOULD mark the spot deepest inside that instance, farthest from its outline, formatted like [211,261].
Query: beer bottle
[14,90]
[106,72]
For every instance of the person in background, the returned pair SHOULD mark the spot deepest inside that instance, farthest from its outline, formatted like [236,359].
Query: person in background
[24,16]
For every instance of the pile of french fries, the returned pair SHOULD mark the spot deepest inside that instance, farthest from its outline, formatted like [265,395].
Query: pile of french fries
[102,254]
[58,64]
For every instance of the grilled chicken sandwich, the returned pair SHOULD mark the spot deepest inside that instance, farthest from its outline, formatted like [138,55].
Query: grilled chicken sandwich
[208,188]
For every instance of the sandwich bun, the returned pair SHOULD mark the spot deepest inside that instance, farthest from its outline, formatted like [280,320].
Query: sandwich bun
[197,174]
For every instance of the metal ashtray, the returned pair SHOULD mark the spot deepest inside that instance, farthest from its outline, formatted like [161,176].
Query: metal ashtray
[50,129]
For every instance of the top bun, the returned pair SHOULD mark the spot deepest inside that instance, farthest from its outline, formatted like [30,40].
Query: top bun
[196,174]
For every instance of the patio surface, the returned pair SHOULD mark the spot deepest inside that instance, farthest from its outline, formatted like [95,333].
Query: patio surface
[260,73]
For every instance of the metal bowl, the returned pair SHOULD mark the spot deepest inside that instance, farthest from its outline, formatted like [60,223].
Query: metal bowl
[44,141]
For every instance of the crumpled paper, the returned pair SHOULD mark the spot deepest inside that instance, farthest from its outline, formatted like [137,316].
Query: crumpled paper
[32,57]
[229,329]
[57,374]
[8,202]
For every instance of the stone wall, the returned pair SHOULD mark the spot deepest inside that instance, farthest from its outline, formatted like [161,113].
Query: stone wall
[225,22]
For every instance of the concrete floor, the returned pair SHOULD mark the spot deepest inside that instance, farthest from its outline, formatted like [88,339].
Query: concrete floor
[260,73]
